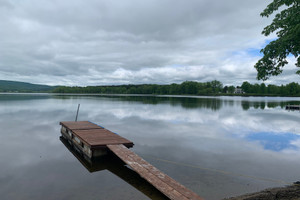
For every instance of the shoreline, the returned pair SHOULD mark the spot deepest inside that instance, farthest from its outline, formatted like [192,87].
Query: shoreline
[291,192]
[152,95]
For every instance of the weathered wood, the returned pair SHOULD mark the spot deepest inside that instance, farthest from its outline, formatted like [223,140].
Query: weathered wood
[93,135]
[174,184]
[292,107]
[100,137]
[168,186]
[91,139]
[117,167]
[80,125]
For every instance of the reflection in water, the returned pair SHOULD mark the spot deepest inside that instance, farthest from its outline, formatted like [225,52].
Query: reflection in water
[275,141]
[221,133]
[262,104]
[188,103]
[192,102]
[118,168]
[22,97]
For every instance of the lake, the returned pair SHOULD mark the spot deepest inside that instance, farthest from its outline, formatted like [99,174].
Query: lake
[216,146]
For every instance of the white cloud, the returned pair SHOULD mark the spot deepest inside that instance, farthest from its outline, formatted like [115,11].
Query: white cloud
[104,42]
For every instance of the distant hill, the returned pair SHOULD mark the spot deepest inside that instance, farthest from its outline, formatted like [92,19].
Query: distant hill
[15,86]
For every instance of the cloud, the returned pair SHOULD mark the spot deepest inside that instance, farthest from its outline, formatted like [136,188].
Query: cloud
[104,42]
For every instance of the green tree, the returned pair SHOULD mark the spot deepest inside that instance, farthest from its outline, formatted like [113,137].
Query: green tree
[286,24]
[273,89]
[255,88]
[225,89]
[262,88]
[231,89]
[246,86]
[217,86]
[189,87]
[293,88]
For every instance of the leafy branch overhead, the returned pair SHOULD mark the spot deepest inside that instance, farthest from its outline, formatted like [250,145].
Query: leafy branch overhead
[286,24]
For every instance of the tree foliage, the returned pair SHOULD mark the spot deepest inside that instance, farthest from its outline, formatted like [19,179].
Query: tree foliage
[291,89]
[286,24]
[187,87]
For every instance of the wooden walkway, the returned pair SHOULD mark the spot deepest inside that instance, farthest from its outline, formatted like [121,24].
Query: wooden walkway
[117,167]
[159,180]
[91,140]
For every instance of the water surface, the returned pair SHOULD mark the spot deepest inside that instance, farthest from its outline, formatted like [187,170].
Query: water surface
[216,146]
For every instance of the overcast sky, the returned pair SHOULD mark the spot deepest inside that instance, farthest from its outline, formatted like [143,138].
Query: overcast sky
[101,42]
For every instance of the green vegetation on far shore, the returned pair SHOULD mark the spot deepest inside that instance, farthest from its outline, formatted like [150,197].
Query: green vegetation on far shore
[189,88]
[15,86]
[186,88]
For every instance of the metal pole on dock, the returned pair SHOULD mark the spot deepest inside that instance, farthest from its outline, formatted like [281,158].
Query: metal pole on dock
[77,113]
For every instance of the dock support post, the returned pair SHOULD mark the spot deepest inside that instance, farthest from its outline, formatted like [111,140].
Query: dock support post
[77,113]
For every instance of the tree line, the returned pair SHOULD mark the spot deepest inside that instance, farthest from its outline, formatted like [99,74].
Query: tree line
[189,88]
[291,89]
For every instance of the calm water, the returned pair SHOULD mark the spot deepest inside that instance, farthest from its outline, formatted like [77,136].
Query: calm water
[217,147]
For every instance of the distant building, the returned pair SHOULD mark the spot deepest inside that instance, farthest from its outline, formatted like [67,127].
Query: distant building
[238,90]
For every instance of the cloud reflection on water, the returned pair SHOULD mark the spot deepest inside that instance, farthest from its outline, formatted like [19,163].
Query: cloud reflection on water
[216,133]
[275,141]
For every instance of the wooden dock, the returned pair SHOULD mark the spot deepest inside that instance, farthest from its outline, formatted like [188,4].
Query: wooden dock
[161,181]
[117,167]
[93,141]
[292,107]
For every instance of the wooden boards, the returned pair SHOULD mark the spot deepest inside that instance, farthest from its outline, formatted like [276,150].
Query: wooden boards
[93,135]
[101,137]
[292,107]
[80,125]
[165,184]
[96,138]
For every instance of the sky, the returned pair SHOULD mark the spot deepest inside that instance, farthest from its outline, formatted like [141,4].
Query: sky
[105,42]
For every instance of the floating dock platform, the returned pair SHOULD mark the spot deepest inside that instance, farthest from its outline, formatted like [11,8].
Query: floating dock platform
[292,107]
[93,140]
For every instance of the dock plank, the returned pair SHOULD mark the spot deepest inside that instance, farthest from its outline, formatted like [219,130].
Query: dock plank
[151,178]
[174,184]
[93,135]
[100,137]
[292,107]
[161,181]
[80,125]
